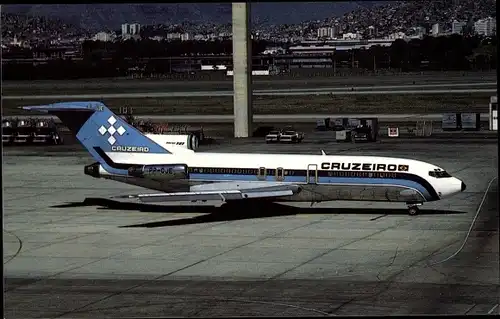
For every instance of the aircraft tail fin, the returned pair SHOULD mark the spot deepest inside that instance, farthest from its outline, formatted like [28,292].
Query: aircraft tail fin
[99,129]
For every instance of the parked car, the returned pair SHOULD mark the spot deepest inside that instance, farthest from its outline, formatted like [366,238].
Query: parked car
[46,133]
[273,136]
[290,136]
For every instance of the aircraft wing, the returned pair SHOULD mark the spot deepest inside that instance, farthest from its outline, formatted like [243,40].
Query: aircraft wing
[222,195]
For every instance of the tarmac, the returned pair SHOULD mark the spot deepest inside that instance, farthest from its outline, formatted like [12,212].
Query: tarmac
[67,257]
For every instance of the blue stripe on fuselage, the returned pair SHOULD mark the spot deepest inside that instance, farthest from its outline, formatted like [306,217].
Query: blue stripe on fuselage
[321,180]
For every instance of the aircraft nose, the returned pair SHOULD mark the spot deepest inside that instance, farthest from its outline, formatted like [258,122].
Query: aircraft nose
[463,186]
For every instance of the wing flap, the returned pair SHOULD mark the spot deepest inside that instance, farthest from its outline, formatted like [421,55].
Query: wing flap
[223,195]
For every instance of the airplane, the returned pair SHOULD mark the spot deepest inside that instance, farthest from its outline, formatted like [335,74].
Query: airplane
[124,154]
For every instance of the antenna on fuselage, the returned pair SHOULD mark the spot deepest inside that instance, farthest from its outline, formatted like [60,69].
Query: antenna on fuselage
[323,152]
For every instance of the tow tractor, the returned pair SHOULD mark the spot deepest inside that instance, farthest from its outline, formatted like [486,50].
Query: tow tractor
[361,133]
[24,132]
[46,133]
[8,132]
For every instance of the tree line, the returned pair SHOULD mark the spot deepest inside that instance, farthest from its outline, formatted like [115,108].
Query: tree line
[105,59]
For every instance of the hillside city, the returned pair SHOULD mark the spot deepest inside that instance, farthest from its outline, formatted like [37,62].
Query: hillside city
[362,28]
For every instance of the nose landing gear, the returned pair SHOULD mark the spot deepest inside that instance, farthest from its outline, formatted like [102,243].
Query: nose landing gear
[413,208]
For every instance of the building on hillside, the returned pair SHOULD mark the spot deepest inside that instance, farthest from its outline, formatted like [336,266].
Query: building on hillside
[486,27]
[397,36]
[131,29]
[351,36]
[104,37]
[327,33]
[274,50]
[457,27]
[436,29]
[372,31]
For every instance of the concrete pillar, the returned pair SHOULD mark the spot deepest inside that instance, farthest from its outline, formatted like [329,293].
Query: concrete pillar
[242,67]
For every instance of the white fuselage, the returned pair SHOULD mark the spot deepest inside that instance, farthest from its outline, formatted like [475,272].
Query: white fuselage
[322,177]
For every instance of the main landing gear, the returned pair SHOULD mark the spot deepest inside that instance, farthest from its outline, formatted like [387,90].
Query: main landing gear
[413,208]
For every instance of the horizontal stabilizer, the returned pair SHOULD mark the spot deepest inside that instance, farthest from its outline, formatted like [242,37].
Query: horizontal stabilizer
[90,106]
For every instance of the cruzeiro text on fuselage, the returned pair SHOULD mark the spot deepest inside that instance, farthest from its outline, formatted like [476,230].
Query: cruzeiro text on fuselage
[364,167]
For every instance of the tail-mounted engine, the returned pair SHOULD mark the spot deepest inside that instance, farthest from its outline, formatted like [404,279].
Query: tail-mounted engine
[188,141]
[92,170]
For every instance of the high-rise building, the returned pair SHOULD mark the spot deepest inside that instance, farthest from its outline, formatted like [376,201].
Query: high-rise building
[420,31]
[371,31]
[135,28]
[125,29]
[329,33]
[131,29]
[486,27]
[457,27]
[436,29]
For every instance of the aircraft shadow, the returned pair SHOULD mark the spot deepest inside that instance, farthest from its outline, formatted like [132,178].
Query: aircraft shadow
[235,211]
[109,204]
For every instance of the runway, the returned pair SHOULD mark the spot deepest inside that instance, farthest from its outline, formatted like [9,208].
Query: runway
[203,83]
[67,259]
[429,92]
[417,83]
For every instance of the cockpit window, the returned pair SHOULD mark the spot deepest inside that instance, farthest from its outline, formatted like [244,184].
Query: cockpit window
[439,174]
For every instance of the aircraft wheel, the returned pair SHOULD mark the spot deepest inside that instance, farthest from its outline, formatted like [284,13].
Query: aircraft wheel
[413,210]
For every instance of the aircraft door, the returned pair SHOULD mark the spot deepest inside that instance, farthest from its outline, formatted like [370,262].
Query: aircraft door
[261,175]
[312,174]
[280,174]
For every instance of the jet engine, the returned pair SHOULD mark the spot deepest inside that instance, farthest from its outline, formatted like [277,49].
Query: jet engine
[93,170]
[189,141]
[164,172]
